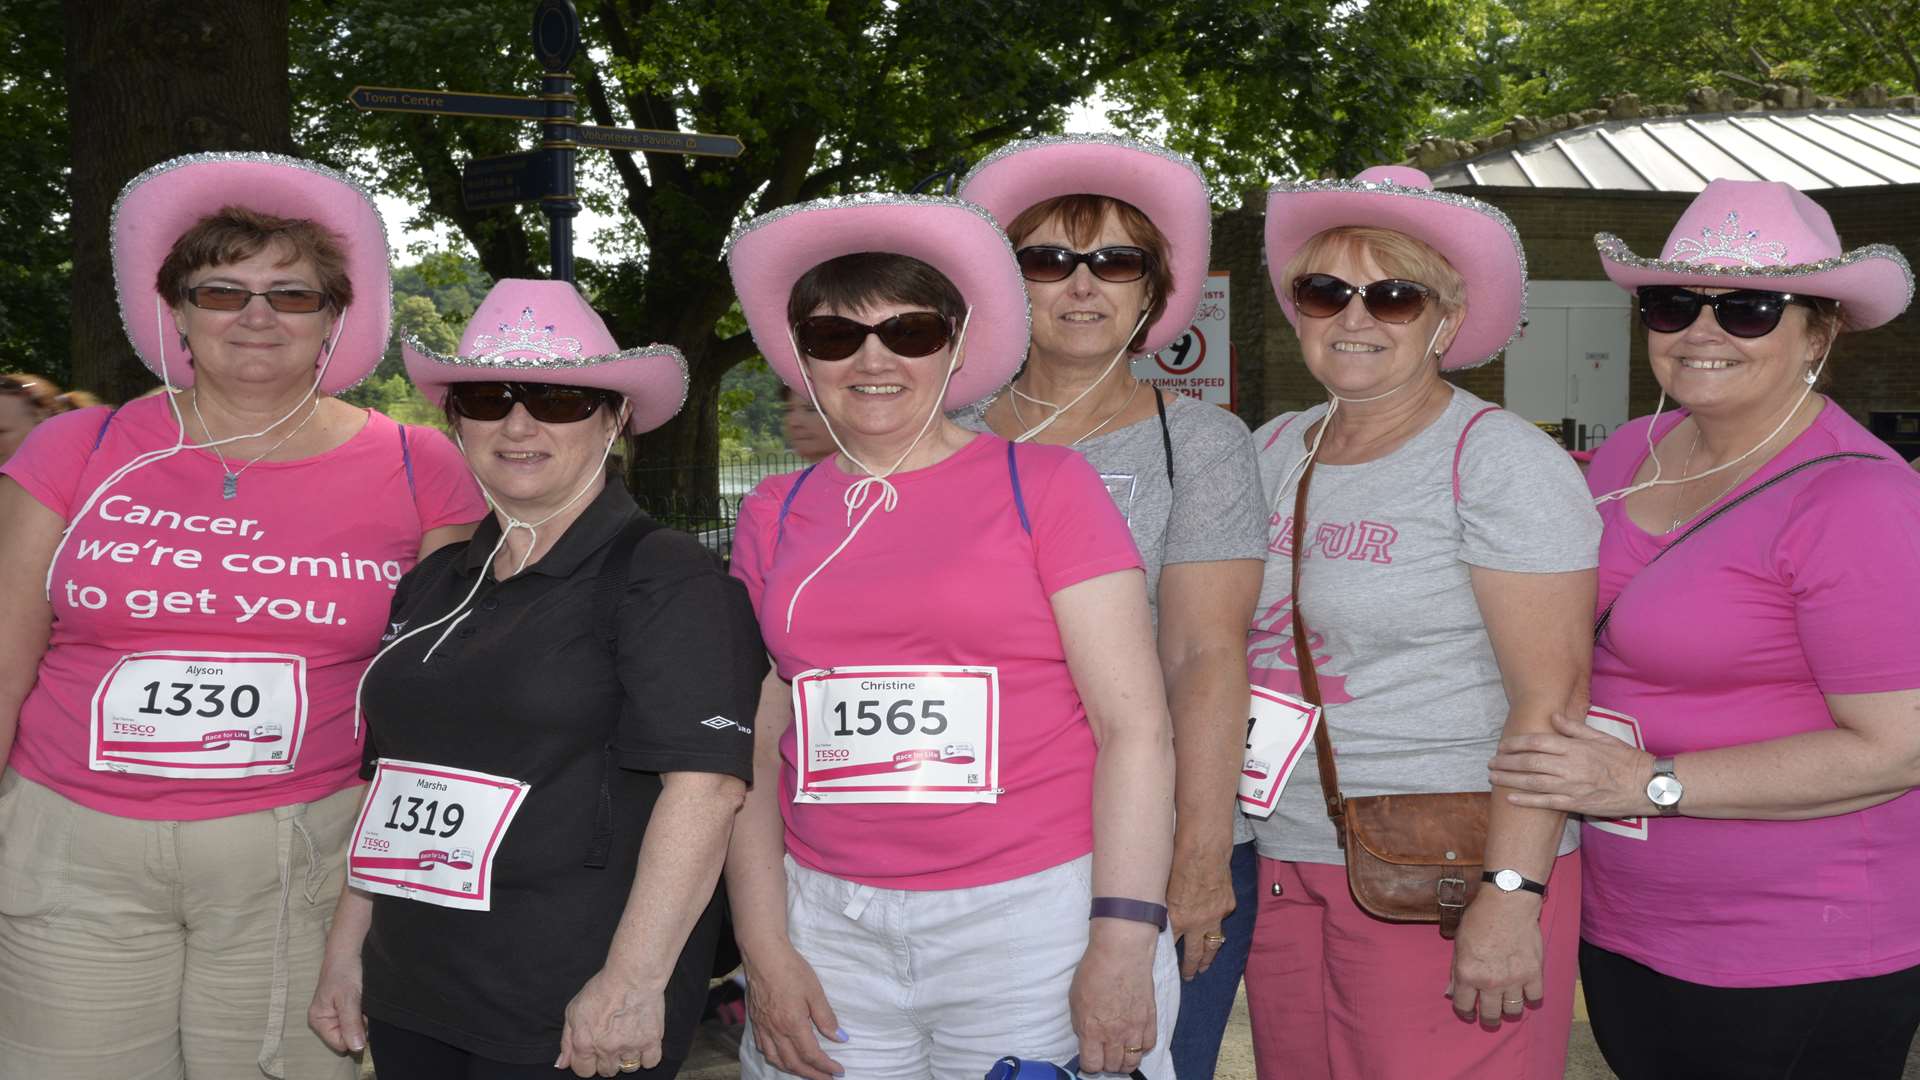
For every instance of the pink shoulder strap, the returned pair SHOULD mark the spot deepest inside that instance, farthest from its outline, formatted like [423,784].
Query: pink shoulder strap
[1460,447]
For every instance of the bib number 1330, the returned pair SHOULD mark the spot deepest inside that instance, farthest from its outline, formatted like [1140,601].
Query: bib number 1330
[897,733]
[203,715]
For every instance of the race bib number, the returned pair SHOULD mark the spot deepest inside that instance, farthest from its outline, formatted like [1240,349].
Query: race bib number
[1279,728]
[430,833]
[204,715]
[1627,730]
[908,733]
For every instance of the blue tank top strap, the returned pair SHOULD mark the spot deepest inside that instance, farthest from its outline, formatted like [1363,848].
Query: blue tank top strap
[101,435]
[786,504]
[406,460]
[1019,500]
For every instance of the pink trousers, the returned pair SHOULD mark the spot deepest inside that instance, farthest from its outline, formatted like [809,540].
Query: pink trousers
[1336,994]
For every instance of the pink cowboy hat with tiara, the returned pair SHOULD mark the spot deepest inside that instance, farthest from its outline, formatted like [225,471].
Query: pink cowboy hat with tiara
[1760,234]
[1475,238]
[767,255]
[544,331]
[1167,187]
[157,206]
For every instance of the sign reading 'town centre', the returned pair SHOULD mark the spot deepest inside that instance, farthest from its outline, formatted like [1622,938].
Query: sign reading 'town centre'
[1198,364]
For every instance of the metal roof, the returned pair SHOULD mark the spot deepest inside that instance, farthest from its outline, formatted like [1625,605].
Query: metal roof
[1808,148]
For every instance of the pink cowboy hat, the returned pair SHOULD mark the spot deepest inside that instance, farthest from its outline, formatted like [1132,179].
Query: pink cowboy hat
[1761,234]
[157,206]
[1475,238]
[770,253]
[1167,187]
[544,331]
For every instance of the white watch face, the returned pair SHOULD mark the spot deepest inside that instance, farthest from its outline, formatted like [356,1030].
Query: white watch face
[1507,880]
[1664,790]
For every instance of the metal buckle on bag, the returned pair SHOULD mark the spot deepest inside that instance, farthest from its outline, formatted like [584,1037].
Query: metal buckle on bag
[1454,888]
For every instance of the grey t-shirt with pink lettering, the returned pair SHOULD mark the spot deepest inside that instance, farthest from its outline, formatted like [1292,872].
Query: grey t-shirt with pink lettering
[1412,688]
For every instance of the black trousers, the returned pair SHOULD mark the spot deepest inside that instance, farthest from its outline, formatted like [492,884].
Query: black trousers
[399,1054]
[1655,1027]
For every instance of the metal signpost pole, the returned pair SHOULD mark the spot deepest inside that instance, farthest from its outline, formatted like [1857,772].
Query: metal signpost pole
[545,174]
[556,37]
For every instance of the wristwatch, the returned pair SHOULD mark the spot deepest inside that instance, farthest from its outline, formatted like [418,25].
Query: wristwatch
[1512,881]
[1664,790]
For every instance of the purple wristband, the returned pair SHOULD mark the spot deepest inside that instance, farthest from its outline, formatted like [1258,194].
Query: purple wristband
[1120,907]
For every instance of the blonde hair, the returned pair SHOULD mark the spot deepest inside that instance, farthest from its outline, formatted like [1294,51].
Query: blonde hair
[1398,254]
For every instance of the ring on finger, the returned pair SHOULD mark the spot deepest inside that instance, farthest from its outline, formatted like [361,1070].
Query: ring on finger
[1133,1049]
[630,1065]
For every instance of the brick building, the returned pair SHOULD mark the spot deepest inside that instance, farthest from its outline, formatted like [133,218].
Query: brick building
[1631,176]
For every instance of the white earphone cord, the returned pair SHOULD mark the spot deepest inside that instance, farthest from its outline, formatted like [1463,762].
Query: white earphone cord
[1061,410]
[141,461]
[1812,377]
[857,494]
[486,568]
[1333,405]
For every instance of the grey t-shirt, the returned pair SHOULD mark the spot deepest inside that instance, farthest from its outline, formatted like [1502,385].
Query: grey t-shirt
[1412,689]
[1210,510]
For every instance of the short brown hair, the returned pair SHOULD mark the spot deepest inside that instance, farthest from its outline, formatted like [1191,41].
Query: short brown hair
[852,282]
[1081,216]
[236,233]
[1397,253]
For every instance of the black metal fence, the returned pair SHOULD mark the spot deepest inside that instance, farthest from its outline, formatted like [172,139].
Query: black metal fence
[710,518]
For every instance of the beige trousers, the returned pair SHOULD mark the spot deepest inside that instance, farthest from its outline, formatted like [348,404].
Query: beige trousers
[157,950]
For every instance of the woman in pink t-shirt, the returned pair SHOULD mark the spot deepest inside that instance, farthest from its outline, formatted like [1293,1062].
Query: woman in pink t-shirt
[193,584]
[957,843]
[1750,858]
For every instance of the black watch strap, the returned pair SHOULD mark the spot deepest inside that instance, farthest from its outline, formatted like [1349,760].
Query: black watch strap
[1491,877]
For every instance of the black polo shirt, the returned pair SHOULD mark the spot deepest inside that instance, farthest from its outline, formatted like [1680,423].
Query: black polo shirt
[528,686]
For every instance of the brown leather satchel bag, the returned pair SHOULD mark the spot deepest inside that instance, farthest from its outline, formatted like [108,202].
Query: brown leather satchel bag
[1410,858]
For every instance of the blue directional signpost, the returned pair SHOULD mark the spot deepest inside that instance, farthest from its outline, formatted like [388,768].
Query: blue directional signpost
[546,174]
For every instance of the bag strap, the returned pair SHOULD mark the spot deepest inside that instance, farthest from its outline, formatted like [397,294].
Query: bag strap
[608,586]
[406,462]
[786,504]
[1309,673]
[1600,624]
[1166,433]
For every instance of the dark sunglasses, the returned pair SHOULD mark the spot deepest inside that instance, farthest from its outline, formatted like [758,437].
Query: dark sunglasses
[1744,313]
[10,385]
[1390,300]
[835,337]
[1120,264]
[229,298]
[548,403]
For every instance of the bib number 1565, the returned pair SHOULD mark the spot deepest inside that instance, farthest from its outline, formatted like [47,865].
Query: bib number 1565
[901,718]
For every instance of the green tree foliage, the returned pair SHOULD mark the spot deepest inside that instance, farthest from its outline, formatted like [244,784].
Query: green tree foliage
[831,96]
[432,301]
[1547,56]
[37,268]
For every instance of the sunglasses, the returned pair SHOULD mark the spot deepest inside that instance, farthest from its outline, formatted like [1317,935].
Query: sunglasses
[1044,262]
[548,403]
[229,298]
[1390,300]
[9,385]
[835,337]
[1744,313]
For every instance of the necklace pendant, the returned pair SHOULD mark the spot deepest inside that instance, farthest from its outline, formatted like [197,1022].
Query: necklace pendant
[229,485]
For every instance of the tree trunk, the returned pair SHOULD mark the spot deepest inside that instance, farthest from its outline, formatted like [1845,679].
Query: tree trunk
[148,80]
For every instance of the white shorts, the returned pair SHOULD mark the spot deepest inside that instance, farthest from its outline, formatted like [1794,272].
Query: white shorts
[943,983]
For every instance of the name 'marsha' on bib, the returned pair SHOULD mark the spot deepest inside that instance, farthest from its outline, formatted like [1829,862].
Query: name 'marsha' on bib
[188,714]
[429,833]
[913,733]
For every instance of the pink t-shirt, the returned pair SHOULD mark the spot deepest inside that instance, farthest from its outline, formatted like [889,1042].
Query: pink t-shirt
[301,564]
[949,577]
[1812,587]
